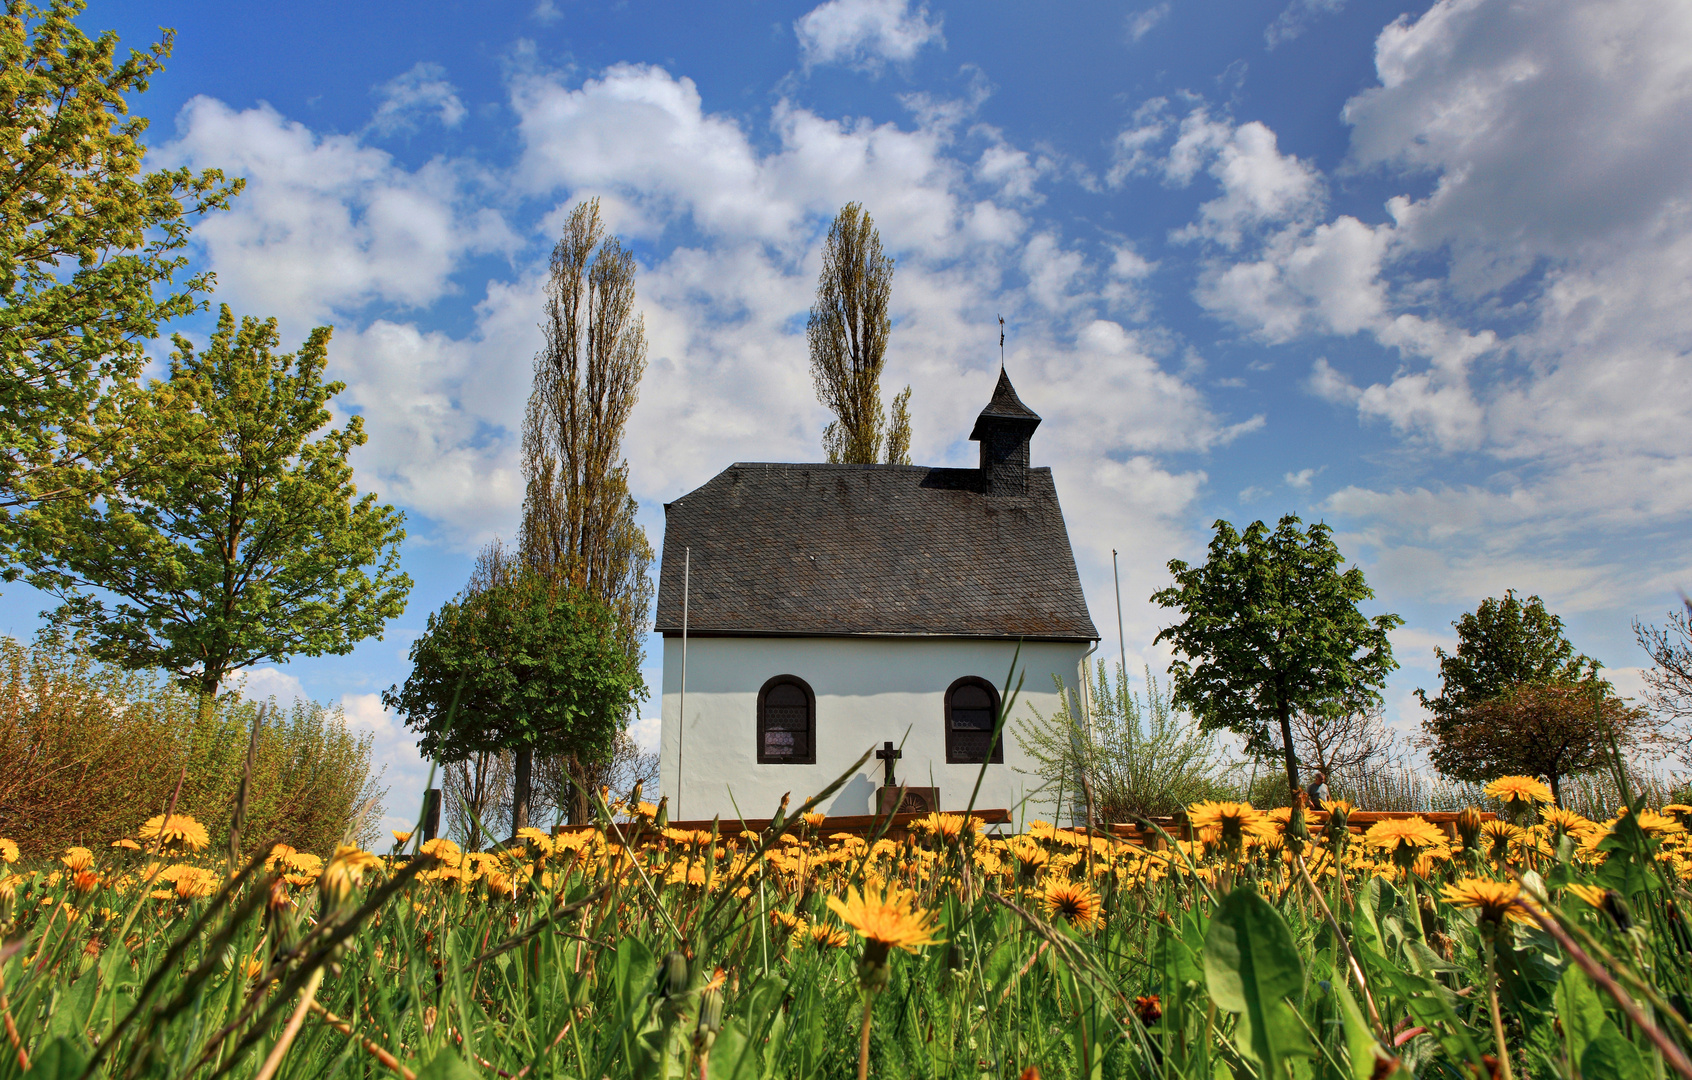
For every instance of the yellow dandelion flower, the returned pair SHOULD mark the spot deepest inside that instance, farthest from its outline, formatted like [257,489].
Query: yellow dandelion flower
[1652,823]
[402,837]
[193,883]
[177,829]
[8,850]
[127,844]
[820,936]
[1519,789]
[787,919]
[1495,900]
[77,858]
[1030,856]
[814,819]
[85,881]
[1074,902]
[539,840]
[1591,895]
[890,918]
[1560,820]
[1394,833]
[346,869]
[1229,822]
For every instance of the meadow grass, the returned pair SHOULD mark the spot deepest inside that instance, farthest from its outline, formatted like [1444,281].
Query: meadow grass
[1556,947]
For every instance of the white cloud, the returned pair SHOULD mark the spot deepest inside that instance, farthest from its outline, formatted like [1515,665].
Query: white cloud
[266,682]
[1141,23]
[865,34]
[327,224]
[646,732]
[1300,479]
[423,93]
[1296,17]
[1260,185]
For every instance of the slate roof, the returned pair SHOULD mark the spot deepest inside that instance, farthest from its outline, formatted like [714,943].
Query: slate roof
[871,550]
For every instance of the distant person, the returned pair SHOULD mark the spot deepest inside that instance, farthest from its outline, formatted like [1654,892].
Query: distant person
[1318,790]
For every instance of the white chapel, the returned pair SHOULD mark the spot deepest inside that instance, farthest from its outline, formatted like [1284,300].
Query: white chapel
[832,608]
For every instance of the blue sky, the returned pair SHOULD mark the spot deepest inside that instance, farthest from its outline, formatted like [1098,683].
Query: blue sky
[1419,271]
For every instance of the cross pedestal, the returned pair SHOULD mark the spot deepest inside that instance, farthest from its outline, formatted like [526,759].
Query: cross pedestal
[916,800]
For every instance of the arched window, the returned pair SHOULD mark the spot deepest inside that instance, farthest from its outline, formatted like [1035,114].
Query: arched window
[787,722]
[971,705]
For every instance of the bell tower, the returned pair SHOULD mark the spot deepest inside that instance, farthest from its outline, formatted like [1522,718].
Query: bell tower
[1003,429]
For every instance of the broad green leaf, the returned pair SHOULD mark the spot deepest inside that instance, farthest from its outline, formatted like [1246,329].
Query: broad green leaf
[1360,1042]
[732,1056]
[1251,967]
[1612,1057]
[447,1065]
[58,1060]
[1579,1009]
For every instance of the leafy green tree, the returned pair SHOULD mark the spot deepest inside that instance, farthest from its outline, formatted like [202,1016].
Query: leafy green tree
[1550,728]
[239,538]
[847,332]
[1271,629]
[1515,697]
[579,520]
[89,252]
[1500,645]
[532,665]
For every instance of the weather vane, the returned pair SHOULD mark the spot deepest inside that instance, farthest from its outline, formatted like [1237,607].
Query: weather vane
[1001,343]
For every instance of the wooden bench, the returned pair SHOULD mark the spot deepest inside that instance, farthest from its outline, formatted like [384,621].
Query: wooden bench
[864,825]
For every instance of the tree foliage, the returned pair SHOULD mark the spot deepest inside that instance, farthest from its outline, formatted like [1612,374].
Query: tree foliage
[1500,645]
[90,247]
[1542,728]
[1272,628]
[1516,697]
[847,332]
[523,664]
[88,752]
[579,523]
[239,538]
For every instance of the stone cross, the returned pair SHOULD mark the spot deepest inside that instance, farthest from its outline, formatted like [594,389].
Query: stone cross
[889,754]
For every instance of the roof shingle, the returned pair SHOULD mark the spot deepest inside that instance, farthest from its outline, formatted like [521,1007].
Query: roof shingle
[871,550]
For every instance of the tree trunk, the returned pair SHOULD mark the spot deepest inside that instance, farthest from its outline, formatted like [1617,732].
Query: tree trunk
[520,788]
[1295,826]
[576,778]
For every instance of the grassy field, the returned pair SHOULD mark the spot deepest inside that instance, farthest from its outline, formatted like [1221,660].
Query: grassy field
[1555,947]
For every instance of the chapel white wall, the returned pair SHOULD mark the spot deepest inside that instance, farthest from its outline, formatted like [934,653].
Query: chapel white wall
[868,690]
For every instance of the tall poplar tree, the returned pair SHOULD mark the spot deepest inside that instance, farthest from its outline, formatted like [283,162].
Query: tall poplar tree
[240,538]
[578,516]
[847,333]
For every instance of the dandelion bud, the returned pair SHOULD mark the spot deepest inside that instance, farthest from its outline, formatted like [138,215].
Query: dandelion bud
[672,977]
[634,794]
[1469,827]
[85,881]
[873,971]
[663,821]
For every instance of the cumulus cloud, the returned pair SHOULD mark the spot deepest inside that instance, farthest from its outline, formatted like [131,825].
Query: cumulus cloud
[327,223]
[406,101]
[865,34]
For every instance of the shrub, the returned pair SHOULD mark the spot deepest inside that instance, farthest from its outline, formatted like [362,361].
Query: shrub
[1144,757]
[88,752]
